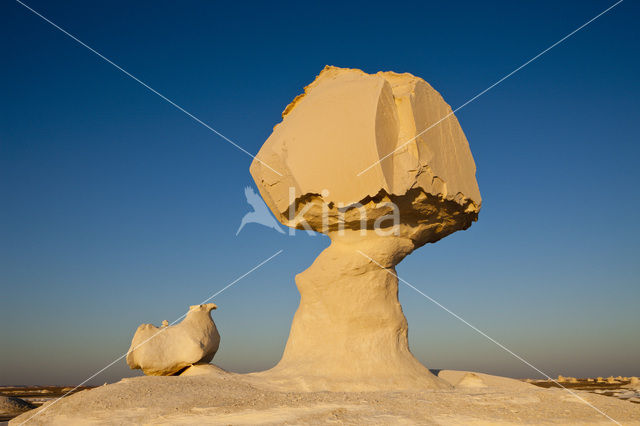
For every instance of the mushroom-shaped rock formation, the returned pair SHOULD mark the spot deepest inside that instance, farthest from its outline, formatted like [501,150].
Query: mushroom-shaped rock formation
[166,350]
[380,164]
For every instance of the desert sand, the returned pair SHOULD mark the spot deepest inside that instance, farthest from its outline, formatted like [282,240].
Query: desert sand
[208,395]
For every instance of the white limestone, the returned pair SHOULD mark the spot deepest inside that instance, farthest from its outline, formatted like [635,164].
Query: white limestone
[165,350]
[349,332]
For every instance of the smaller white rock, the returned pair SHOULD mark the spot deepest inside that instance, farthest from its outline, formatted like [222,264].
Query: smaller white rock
[166,350]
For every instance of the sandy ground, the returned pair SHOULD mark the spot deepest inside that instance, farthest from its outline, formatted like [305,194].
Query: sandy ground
[209,396]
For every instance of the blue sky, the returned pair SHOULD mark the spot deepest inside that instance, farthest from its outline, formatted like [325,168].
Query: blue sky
[118,209]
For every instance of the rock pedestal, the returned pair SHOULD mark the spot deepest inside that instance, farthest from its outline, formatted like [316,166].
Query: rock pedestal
[349,332]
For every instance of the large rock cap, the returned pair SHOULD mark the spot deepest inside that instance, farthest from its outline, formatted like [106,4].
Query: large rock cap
[353,137]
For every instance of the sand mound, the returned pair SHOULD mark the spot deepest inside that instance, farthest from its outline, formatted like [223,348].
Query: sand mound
[205,369]
[471,380]
[468,379]
[165,350]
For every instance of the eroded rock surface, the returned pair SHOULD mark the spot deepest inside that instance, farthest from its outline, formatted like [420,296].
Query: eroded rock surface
[166,350]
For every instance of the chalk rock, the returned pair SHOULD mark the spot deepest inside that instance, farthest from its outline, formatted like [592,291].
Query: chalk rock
[380,164]
[12,406]
[205,370]
[355,141]
[165,350]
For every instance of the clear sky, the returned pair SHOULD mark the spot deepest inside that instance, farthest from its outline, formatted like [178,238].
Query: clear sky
[118,209]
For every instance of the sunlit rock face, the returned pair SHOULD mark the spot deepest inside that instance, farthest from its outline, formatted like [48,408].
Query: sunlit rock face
[353,137]
[380,164]
[166,350]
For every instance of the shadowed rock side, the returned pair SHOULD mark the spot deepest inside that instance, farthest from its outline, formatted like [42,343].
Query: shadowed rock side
[166,350]
[423,217]
[349,332]
[12,406]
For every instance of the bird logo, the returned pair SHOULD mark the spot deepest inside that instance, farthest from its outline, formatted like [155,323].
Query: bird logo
[260,214]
